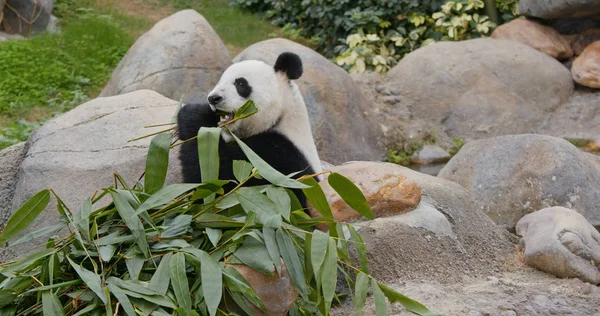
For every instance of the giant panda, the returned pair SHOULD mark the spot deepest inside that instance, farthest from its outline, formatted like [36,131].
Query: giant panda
[279,133]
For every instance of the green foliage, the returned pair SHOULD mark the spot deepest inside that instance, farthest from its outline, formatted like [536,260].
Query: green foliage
[458,144]
[171,253]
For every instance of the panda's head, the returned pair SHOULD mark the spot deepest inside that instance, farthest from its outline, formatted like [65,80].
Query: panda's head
[269,87]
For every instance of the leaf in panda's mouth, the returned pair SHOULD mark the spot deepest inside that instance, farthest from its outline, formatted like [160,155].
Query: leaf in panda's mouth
[225,117]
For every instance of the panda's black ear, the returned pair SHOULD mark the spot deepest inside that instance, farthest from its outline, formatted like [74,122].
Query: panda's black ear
[290,64]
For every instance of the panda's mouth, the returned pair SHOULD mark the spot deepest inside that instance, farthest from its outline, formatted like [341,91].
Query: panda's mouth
[225,117]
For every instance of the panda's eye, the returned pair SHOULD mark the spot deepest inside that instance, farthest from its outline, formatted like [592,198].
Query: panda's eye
[242,87]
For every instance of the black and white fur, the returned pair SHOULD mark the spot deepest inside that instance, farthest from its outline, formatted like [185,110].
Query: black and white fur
[279,133]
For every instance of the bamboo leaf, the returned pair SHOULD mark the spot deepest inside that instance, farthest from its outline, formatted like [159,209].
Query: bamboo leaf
[408,303]
[28,261]
[178,226]
[266,171]
[91,279]
[179,282]
[280,197]
[359,245]
[329,274]
[6,298]
[217,221]
[380,304]
[351,194]
[246,110]
[208,154]
[254,201]
[157,162]
[361,288]
[38,233]
[254,254]
[106,252]
[122,298]
[213,235]
[271,245]
[161,277]
[25,215]
[165,196]
[82,219]
[291,260]
[132,221]
[55,286]
[212,282]
[235,283]
[318,251]
[51,306]
[241,169]
[317,198]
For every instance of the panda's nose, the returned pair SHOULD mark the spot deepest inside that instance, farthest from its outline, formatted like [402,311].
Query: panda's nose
[215,99]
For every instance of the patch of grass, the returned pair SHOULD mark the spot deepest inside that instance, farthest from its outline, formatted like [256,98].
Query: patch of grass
[458,144]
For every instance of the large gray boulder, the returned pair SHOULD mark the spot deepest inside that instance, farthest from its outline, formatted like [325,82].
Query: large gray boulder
[25,17]
[557,9]
[180,57]
[511,176]
[446,238]
[560,241]
[342,129]
[477,88]
[10,160]
[78,152]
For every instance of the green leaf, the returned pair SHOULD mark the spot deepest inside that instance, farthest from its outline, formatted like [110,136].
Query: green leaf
[254,254]
[241,169]
[408,303]
[156,299]
[288,252]
[178,226]
[235,283]
[212,282]
[360,292]
[246,110]
[318,251]
[122,298]
[51,306]
[38,233]
[380,304]
[87,309]
[157,162]
[359,245]
[107,252]
[179,282]
[25,215]
[6,298]
[161,277]
[132,221]
[208,154]
[266,171]
[254,201]
[271,245]
[55,286]
[208,188]
[82,219]
[281,199]
[329,274]
[9,311]
[342,239]
[351,194]
[217,221]
[317,198]
[28,261]
[213,235]
[91,279]
[165,196]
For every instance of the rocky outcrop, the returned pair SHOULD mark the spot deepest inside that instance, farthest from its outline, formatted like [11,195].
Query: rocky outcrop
[512,176]
[538,36]
[342,129]
[181,57]
[561,242]
[78,152]
[552,9]
[586,67]
[10,160]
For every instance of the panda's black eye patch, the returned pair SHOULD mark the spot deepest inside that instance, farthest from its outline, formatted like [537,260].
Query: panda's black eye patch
[242,87]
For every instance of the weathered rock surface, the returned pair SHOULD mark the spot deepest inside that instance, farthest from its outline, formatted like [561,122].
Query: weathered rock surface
[79,151]
[278,293]
[5,36]
[538,36]
[586,67]
[343,130]
[562,242]
[511,176]
[10,160]
[483,87]
[552,9]
[525,291]
[582,40]
[26,17]
[387,193]
[181,57]
[430,154]
[446,238]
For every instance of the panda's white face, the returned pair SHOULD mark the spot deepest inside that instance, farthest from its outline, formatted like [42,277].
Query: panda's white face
[255,80]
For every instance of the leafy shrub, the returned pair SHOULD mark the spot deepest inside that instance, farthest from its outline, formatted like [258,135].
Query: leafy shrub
[169,250]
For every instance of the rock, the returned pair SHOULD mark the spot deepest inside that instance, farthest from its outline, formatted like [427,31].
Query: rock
[552,9]
[538,36]
[429,155]
[511,176]
[26,17]
[446,238]
[580,41]
[10,160]
[277,293]
[6,36]
[379,88]
[181,57]
[342,129]
[586,67]
[79,152]
[562,242]
[481,88]
[387,193]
